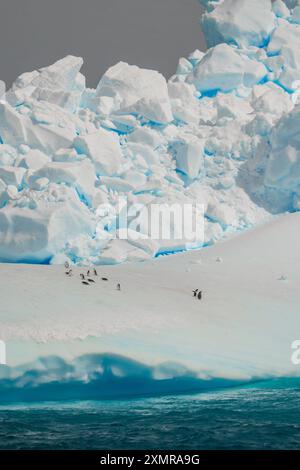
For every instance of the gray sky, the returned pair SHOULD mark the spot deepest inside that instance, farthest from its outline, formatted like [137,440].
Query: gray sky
[148,33]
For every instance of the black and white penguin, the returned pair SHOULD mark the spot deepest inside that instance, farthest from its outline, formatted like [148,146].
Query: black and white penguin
[200,295]
[118,286]
[91,280]
[195,292]
[82,276]
[95,272]
[104,278]
[85,283]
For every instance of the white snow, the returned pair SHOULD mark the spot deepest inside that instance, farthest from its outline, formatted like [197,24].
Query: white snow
[188,153]
[104,150]
[136,90]
[33,159]
[242,22]
[242,328]
[33,234]
[221,132]
[223,68]
[280,9]
[283,167]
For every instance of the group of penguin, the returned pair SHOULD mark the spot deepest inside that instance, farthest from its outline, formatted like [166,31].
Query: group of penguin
[197,293]
[86,279]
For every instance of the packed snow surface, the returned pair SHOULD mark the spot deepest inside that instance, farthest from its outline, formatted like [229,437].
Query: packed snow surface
[242,329]
[222,132]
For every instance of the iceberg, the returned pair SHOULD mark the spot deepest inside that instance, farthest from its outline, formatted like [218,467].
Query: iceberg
[103,148]
[283,167]
[225,69]
[34,234]
[239,22]
[64,341]
[138,91]
[189,155]
[221,132]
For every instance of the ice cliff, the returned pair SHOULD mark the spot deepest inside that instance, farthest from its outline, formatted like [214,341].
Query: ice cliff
[223,131]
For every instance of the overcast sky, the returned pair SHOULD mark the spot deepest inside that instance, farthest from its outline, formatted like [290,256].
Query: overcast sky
[148,33]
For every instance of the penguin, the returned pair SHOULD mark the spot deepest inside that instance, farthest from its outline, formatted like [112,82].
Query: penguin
[104,278]
[195,292]
[200,295]
[88,273]
[95,272]
[118,286]
[91,280]
[85,283]
[82,276]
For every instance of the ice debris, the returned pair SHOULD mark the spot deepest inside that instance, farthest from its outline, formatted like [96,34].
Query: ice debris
[222,132]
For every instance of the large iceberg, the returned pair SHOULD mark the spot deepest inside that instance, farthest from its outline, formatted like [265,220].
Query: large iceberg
[241,22]
[222,132]
[225,69]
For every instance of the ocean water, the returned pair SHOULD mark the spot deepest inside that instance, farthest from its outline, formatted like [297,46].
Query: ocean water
[264,417]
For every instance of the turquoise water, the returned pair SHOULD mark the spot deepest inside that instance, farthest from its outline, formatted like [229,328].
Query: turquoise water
[266,417]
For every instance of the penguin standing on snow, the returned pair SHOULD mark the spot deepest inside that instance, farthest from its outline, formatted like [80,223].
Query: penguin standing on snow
[118,286]
[95,272]
[200,295]
[88,273]
[83,280]
[195,292]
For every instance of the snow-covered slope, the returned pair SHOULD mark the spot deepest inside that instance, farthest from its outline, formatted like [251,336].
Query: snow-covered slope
[223,132]
[58,330]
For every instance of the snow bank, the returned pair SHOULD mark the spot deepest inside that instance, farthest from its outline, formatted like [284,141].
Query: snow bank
[63,337]
[221,132]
